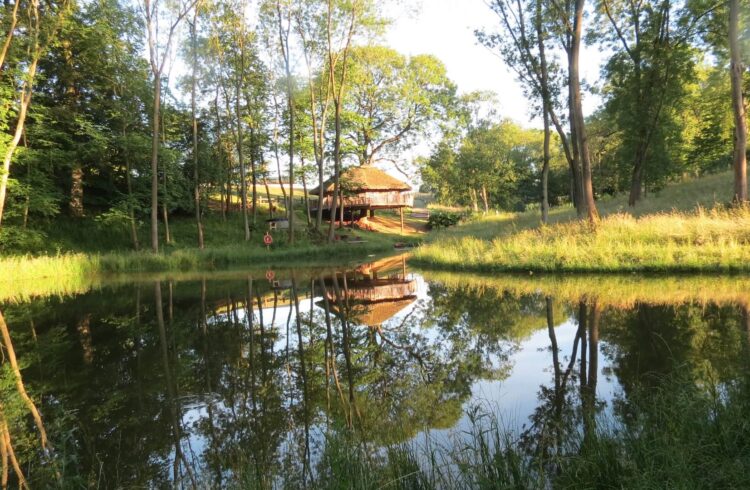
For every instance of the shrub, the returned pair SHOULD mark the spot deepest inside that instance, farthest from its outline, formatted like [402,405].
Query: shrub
[443,219]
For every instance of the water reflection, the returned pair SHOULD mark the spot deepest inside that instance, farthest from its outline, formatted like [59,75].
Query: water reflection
[246,379]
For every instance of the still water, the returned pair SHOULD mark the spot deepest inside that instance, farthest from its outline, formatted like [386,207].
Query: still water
[157,382]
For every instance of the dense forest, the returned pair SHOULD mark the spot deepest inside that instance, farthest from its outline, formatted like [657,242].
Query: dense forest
[128,114]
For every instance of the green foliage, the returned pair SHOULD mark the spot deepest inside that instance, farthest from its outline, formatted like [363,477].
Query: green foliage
[443,219]
[499,160]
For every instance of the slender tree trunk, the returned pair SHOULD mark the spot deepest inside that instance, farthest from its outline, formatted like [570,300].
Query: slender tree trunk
[545,169]
[580,126]
[284,43]
[155,165]
[196,180]
[243,172]
[338,100]
[307,197]
[276,148]
[24,99]
[254,176]
[474,203]
[9,37]
[268,196]
[738,105]
[546,107]
[220,152]
[131,209]
[485,201]
[164,209]
[27,199]
[336,166]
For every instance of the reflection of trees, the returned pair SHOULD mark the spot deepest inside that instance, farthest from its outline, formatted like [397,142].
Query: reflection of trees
[555,421]
[11,411]
[217,383]
[646,346]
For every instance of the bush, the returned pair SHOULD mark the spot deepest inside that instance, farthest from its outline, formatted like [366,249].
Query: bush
[14,238]
[441,219]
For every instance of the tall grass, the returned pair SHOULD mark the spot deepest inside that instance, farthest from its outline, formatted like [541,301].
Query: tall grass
[715,240]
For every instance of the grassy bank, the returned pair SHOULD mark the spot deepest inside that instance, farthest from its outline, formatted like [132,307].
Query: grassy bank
[71,251]
[668,232]
[80,266]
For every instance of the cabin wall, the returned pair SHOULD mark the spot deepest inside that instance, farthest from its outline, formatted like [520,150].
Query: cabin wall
[387,199]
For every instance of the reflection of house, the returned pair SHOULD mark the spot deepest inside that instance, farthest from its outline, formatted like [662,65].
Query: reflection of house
[365,189]
[376,292]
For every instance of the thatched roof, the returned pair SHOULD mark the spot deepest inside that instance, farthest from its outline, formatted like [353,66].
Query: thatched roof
[366,178]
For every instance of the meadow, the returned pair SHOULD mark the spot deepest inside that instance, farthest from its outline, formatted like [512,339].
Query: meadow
[686,227]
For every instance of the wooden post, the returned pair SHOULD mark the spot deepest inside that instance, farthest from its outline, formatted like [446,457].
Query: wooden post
[401,212]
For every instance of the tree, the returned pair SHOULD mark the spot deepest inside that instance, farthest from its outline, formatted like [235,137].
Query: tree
[394,101]
[194,117]
[522,44]
[41,29]
[577,120]
[646,77]
[739,159]
[344,21]
[158,55]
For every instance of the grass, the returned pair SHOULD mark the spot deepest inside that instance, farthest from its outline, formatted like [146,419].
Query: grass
[67,254]
[668,232]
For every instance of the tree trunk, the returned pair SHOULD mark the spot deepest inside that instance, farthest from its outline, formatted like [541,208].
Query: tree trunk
[474,203]
[336,166]
[243,172]
[307,198]
[155,165]
[220,153]
[485,202]
[738,105]
[545,169]
[196,180]
[290,107]
[24,100]
[164,208]
[546,108]
[76,191]
[254,174]
[268,196]
[636,182]
[131,210]
[341,209]
[580,126]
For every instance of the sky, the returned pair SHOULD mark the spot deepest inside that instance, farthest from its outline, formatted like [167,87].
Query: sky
[445,28]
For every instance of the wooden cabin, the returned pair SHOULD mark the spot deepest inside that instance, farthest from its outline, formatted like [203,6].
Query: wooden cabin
[366,189]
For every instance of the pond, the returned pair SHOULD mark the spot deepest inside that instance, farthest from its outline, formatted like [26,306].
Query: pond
[275,378]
